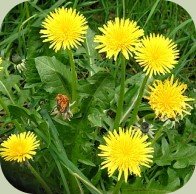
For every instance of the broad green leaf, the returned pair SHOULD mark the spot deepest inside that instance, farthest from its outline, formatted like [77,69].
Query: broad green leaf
[185,155]
[7,84]
[17,112]
[31,73]
[165,147]
[54,75]
[98,91]
[24,95]
[173,180]
[3,105]
[66,130]
[91,52]
[95,118]
[61,153]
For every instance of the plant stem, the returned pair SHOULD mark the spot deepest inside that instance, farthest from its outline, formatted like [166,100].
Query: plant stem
[158,134]
[74,77]
[138,101]
[121,94]
[39,178]
[126,114]
[116,70]
[123,2]
[117,8]
[118,186]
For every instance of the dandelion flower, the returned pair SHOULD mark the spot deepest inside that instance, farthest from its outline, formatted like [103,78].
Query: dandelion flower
[167,100]
[156,54]
[126,151]
[121,35]
[64,28]
[19,147]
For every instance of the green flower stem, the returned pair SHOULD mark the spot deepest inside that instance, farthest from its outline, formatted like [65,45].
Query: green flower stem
[126,114]
[116,70]
[74,78]
[39,178]
[121,95]
[117,8]
[123,1]
[156,137]
[138,101]
[118,186]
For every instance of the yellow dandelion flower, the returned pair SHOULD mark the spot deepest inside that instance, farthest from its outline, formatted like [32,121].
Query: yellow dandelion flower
[19,147]
[64,28]
[156,54]
[167,100]
[126,151]
[121,35]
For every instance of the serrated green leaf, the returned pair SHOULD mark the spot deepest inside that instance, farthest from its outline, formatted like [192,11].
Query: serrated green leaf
[91,52]
[54,75]
[165,147]
[184,156]
[99,90]
[7,84]
[173,180]
[95,119]
[17,112]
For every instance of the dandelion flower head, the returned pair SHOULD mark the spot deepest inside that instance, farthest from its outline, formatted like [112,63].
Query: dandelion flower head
[126,152]
[19,147]
[118,36]
[167,100]
[156,54]
[64,28]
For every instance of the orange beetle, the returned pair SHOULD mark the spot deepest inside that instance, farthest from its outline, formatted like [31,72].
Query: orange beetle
[62,103]
[63,107]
